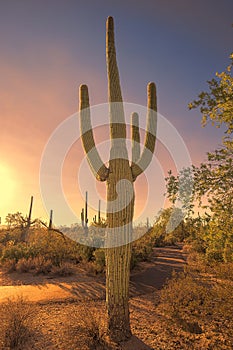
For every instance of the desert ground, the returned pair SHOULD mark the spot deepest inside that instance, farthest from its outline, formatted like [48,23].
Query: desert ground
[65,310]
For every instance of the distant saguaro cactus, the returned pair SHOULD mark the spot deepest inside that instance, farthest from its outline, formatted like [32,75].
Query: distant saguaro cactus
[84,215]
[27,222]
[120,176]
[51,220]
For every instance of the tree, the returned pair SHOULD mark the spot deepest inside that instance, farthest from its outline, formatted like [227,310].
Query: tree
[169,227]
[120,177]
[213,180]
[14,220]
[216,105]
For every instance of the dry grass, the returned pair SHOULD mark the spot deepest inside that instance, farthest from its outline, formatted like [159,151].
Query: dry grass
[200,303]
[16,330]
[91,324]
[80,325]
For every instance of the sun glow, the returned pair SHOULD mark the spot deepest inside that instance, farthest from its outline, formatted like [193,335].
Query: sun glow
[7,186]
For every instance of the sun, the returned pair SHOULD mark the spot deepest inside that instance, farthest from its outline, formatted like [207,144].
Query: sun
[7,186]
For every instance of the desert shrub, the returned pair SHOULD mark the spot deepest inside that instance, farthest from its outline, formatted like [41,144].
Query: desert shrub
[133,261]
[99,259]
[65,269]
[185,298]
[37,265]
[214,254]
[142,249]
[9,265]
[169,228]
[194,302]
[197,262]
[198,245]
[85,252]
[1,249]
[55,248]
[228,251]
[24,265]
[90,325]
[222,304]
[224,271]
[19,251]
[42,265]
[16,319]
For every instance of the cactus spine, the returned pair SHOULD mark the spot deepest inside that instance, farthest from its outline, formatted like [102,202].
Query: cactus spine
[119,176]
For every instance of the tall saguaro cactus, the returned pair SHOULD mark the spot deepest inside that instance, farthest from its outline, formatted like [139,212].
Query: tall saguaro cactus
[119,176]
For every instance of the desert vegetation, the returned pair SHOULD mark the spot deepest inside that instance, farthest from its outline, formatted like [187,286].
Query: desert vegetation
[193,308]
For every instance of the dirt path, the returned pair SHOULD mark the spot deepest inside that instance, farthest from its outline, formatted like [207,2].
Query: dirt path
[155,273]
[149,277]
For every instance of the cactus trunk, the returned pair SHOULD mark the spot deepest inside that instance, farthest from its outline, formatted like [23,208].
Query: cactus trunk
[118,257]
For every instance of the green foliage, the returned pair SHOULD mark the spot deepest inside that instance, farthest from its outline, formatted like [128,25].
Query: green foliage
[44,245]
[180,191]
[217,104]
[97,265]
[85,252]
[212,186]
[142,248]
[14,220]
[169,227]
[19,251]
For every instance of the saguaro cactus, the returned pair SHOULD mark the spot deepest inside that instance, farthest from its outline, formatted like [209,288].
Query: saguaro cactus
[51,220]
[120,176]
[84,215]
[95,221]
[27,222]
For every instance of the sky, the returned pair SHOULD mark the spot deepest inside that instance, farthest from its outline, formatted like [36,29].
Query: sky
[49,48]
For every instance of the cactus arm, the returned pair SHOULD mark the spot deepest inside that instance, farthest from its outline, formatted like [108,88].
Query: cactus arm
[135,135]
[97,166]
[149,145]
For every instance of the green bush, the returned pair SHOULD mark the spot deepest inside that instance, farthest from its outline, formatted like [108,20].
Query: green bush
[99,256]
[19,251]
[228,251]
[142,248]
[85,252]
[214,254]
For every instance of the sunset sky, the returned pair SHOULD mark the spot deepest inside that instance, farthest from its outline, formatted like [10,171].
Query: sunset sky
[49,48]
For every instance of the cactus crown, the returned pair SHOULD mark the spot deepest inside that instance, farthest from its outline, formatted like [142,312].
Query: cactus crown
[140,160]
